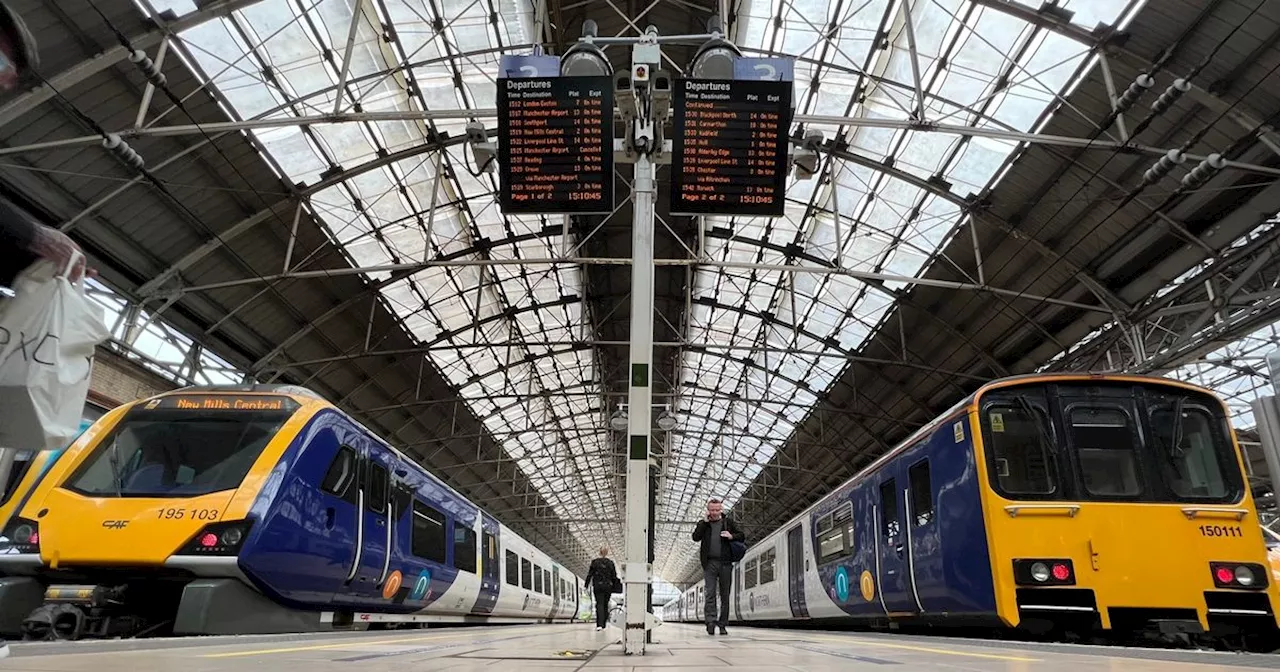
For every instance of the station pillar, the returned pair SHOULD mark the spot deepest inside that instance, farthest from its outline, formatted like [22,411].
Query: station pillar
[639,409]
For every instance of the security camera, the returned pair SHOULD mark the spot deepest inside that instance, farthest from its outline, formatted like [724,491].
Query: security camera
[805,157]
[484,152]
[661,91]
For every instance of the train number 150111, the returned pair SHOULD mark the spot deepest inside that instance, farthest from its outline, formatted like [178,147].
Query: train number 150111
[1220,531]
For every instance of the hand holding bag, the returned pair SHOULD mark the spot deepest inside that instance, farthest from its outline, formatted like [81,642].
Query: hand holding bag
[48,334]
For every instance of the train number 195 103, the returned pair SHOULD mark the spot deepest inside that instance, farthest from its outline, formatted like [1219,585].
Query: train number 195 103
[193,514]
[1220,531]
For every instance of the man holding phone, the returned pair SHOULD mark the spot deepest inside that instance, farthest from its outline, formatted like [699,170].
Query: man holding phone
[716,532]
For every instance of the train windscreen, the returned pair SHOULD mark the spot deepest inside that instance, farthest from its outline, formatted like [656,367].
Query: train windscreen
[182,446]
[1109,441]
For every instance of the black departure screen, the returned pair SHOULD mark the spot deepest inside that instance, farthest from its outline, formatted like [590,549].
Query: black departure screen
[555,145]
[730,147]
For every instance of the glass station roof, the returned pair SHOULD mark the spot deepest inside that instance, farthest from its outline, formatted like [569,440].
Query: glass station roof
[505,335]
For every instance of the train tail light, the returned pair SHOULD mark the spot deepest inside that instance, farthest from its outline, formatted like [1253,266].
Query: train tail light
[20,536]
[1238,575]
[222,538]
[1044,572]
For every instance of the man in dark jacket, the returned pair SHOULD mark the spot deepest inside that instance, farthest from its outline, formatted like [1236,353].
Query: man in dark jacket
[715,533]
[602,574]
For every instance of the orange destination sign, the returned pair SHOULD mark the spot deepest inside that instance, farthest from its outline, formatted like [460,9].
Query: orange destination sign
[555,145]
[222,402]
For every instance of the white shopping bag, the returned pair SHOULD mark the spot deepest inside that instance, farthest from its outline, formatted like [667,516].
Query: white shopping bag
[48,333]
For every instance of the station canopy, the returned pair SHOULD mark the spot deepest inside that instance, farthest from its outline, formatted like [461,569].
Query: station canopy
[514,326]
[898,278]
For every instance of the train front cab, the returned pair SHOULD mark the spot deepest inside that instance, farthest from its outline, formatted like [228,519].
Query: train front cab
[1120,504]
[154,495]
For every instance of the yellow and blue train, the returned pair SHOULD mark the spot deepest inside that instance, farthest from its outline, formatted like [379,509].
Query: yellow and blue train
[256,509]
[1061,505]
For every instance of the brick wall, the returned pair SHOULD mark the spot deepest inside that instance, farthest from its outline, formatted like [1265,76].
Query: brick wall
[116,380]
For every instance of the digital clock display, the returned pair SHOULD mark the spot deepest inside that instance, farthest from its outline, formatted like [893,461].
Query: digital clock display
[555,149]
[729,147]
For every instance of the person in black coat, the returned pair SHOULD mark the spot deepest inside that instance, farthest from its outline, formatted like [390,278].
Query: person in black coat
[716,532]
[602,574]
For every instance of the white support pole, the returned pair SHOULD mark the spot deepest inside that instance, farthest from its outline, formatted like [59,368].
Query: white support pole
[640,407]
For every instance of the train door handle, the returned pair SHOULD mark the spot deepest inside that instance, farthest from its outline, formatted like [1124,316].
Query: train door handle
[898,549]
[380,522]
[329,514]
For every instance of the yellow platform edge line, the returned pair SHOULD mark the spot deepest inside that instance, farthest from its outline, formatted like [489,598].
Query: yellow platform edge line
[355,642]
[927,649]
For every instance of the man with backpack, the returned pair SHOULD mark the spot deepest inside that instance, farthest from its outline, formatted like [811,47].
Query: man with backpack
[717,532]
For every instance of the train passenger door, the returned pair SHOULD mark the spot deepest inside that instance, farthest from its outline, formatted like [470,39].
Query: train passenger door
[555,590]
[490,571]
[795,572]
[922,531]
[737,590]
[894,569]
[373,529]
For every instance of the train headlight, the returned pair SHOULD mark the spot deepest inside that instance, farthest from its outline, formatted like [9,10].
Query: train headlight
[1043,572]
[222,538]
[1238,575]
[232,537]
[20,536]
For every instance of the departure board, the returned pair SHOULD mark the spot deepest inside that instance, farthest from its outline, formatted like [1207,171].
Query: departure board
[729,147]
[555,149]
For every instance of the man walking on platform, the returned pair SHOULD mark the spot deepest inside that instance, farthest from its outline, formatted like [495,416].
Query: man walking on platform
[602,574]
[716,533]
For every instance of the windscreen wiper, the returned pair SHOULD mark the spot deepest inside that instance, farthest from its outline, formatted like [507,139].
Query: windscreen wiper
[1046,441]
[1175,450]
[117,479]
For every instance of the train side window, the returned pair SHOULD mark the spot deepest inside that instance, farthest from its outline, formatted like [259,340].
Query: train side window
[21,465]
[340,479]
[921,493]
[768,563]
[537,578]
[513,569]
[464,548]
[526,574]
[889,525]
[427,540]
[835,534]
[1020,439]
[750,580]
[1105,443]
[378,482]
[546,582]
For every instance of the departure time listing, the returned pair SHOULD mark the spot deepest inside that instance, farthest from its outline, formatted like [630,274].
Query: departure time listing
[556,144]
[730,147]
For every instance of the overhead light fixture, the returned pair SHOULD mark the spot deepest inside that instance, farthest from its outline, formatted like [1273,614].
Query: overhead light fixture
[666,421]
[716,57]
[619,421]
[585,58]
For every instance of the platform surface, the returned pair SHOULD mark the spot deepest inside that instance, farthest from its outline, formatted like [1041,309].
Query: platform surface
[530,648]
